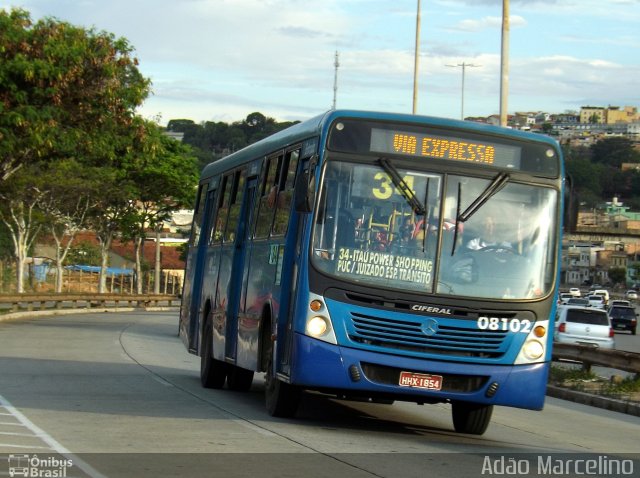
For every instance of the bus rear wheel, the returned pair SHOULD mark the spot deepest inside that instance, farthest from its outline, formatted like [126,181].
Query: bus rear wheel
[213,373]
[471,418]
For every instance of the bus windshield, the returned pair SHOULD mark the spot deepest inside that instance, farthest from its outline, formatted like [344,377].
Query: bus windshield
[438,233]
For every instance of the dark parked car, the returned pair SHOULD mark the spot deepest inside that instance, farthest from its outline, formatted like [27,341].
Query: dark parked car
[624,318]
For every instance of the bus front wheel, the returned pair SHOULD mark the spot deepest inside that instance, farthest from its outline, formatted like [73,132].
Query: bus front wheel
[281,398]
[471,418]
[213,373]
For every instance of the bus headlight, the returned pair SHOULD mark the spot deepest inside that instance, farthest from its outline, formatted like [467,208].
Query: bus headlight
[534,348]
[318,324]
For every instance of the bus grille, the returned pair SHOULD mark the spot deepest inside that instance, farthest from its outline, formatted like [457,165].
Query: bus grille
[453,337]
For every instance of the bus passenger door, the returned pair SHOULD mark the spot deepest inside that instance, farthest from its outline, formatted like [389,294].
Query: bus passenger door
[192,287]
[243,207]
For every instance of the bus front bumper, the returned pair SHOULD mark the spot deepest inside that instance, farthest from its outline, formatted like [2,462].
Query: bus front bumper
[360,373]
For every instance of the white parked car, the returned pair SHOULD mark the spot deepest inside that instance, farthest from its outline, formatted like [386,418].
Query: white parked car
[574,291]
[604,293]
[632,295]
[564,297]
[581,301]
[583,326]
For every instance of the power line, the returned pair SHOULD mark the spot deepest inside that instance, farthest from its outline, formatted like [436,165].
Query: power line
[336,64]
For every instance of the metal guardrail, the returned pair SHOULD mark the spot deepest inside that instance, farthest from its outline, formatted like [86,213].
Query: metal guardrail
[41,302]
[618,359]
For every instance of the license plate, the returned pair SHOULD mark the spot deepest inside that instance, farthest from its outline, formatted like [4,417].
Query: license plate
[420,380]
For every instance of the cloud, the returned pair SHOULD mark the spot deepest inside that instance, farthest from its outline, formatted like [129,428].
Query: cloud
[223,59]
[485,23]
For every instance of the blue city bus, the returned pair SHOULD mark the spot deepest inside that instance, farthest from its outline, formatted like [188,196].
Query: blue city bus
[380,257]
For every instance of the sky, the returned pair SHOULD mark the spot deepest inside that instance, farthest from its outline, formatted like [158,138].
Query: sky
[220,60]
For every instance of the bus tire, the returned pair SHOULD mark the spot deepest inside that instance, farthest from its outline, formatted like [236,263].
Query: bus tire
[239,379]
[471,418]
[213,373]
[281,398]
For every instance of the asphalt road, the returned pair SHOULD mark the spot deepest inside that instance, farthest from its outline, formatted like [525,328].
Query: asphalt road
[116,394]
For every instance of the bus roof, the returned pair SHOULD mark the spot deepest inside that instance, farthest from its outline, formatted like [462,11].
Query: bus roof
[315,126]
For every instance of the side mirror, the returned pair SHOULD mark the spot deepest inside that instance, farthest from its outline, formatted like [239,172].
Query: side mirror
[301,200]
[304,188]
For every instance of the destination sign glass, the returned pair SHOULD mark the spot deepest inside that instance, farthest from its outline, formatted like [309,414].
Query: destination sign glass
[465,145]
[445,147]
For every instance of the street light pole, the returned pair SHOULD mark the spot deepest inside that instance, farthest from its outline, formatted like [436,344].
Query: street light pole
[504,63]
[415,62]
[336,64]
[464,66]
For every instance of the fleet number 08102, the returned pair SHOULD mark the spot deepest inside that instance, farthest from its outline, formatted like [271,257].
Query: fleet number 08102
[504,324]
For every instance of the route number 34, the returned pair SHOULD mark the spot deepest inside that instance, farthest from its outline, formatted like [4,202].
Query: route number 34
[385,188]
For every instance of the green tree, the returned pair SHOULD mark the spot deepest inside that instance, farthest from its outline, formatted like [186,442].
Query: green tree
[586,180]
[84,253]
[110,211]
[65,91]
[618,275]
[18,210]
[180,125]
[70,191]
[165,179]
[614,151]
[71,93]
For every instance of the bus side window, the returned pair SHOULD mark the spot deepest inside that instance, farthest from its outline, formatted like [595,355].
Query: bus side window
[221,213]
[198,215]
[268,192]
[235,203]
[285,194]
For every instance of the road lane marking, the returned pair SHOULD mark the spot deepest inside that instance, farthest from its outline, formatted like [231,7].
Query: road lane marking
[16,434]
[52,443]
[35,447]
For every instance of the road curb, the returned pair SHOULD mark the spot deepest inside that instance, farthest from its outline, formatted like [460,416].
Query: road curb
[93,310]
[613,404]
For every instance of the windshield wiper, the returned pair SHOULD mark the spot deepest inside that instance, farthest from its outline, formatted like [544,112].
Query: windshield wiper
[425,219]
[402,186]
[492,189]
[496,185]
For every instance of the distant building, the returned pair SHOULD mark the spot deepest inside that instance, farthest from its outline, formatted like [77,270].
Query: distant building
[609,115]
[592,114]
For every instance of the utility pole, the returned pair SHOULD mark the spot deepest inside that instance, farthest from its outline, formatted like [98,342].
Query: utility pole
[336,64]
[504,64]
[415,62]
[464,66]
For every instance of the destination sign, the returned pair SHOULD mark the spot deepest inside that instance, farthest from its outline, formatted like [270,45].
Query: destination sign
[444,147]
[383,265]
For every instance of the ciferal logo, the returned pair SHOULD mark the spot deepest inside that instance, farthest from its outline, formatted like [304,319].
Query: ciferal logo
[430,327]
[431,308]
